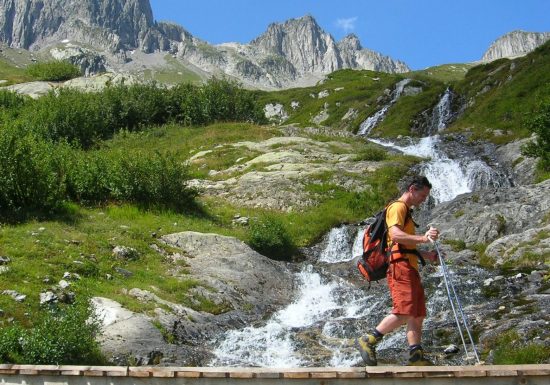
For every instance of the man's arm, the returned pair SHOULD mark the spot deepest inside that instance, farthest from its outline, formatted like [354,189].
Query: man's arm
[399,236]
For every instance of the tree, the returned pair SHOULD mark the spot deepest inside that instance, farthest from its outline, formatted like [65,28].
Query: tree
[539,124]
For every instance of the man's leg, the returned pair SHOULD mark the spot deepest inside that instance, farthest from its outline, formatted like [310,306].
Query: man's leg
[367,343]
[414,337]
[414,330]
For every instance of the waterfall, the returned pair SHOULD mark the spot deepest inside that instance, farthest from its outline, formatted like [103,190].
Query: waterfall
[319,308]
[366,127]
[449,177]
[441,113]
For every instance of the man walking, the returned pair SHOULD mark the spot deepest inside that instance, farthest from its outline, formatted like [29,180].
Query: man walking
[407,293]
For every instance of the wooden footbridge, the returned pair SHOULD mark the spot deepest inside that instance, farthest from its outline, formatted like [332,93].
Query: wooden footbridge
[381,375]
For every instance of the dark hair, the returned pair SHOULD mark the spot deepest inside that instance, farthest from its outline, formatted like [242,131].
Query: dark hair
[419,182]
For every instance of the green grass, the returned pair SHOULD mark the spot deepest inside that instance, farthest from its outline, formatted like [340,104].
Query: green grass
[175,72]
[504,91]
[509,349]
[12,74]
[445,73]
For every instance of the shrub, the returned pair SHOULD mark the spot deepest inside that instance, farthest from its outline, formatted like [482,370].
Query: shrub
[269,237]
[510,350]
[32,172]
[85,118]
[63,335]
[57,70]
[136,177]
[539,124]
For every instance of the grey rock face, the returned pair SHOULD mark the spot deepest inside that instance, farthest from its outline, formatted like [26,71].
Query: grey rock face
[513,44]
[113,24]
[295,53]
[485,216]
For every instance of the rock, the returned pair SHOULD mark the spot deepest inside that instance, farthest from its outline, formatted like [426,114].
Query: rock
[123,272]
[48,297]
[4,260]
[64,284]
[451,349]
[240,275]
[32,89]
[514,44]
[15,295]
[513,210]
[131,338]
[126,253]
[275,113]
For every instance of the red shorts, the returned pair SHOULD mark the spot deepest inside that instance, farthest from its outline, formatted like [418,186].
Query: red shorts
[406,290]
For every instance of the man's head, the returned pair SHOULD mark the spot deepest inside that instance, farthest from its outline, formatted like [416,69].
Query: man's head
[418,188]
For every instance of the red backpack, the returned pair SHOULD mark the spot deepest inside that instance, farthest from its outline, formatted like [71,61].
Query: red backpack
[374,263]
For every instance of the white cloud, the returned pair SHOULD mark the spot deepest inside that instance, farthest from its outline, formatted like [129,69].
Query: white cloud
[347,25]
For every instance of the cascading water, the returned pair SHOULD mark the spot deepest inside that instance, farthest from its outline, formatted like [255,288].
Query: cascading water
[366,127]
[442,112]
[446,175]
[321,304]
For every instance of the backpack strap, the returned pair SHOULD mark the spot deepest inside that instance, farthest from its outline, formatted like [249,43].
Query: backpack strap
[396,249]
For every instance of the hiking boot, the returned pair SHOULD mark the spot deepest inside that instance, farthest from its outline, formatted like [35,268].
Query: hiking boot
[416,358]
[367,347]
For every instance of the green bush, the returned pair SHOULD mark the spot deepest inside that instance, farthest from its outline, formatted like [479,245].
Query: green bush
[57,70]
[85,118]
[269,237]
[510,350]
[10,100]
[32,172]
[63,335]
[539,124]
[157,180]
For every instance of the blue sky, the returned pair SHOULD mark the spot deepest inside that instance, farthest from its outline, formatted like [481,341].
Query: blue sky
[422,33]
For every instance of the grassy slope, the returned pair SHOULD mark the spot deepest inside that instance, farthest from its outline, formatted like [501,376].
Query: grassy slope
[505,92]
[81,239]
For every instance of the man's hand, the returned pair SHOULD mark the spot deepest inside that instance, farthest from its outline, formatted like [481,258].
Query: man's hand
[432,234]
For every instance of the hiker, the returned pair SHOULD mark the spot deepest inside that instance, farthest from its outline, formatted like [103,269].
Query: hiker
[407,293]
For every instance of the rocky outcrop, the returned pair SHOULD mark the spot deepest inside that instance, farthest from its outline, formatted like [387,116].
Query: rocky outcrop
[230,275]
[277,175]
[514,44]
[484,216]
[111,24]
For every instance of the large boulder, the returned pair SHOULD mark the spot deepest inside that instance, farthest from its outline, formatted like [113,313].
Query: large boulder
[484,216]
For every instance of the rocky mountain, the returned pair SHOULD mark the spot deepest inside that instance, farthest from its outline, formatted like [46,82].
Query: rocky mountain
[124,37]
[514,44]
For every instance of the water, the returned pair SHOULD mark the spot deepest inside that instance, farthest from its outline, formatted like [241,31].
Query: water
[442,112]
[319,308]
[371,122]
[448,177]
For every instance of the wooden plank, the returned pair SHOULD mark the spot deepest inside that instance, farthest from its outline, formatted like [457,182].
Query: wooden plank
[188,374]
[214,374]
[502,373]
[351,375]
[243,374]
[296,375]
[324,375]
[139,372]
[266,375]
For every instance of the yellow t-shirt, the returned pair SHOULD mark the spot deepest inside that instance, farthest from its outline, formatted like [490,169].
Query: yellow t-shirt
[396,215]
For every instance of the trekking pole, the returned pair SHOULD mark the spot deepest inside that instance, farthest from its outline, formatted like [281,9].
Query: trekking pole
[449,282]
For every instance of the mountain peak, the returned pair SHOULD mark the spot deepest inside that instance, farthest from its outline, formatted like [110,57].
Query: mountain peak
[350,41]
[514,44]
